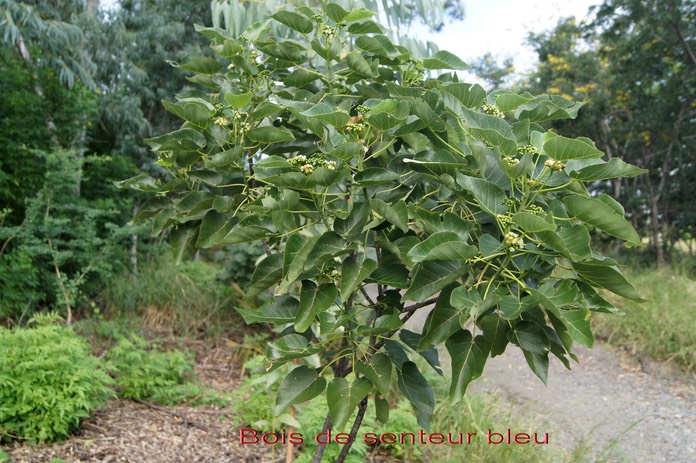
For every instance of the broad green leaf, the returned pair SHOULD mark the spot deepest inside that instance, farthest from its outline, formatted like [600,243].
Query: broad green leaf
[343,397]
[532,223]
[578,324]
[358,14]
[291,255]
[328,114]
[573,242]
[313,300]
[564,149]
[268,272]
[142,182]
[598,214]
[444,60]
[352,227]
[347,151]
[195,113]
[468,360]
[412,340]
[426,114]
[335,12]
[495,329]
[214,228]
[354,272]
[365,27]
[469,95]
[328,246]
[280,310]
[381,409]
[294,21]
[200,65]
[300,385]
[359,65]
[245,234]
[491,129]
[375,176]
[378,370]
[179,140]
[395,275]
[379,45]
[300,78]
[396,214]
[270,134]
[418,391]
[489,196]
[442,321]
[575,321]
[208,177]
[612,169]
[442,246]
[431,276]
[607,277]
[238,101]
[180,238]
[291,346]
[470,299]
[535,345]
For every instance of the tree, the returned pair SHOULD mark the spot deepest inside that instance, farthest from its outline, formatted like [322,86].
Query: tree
[354,168]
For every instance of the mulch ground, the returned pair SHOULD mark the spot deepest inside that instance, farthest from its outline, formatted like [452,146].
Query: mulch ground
[124,431]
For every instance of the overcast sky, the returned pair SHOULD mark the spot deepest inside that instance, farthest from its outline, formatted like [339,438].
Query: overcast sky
[501,27]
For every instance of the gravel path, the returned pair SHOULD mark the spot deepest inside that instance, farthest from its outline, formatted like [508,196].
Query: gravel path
[607,396]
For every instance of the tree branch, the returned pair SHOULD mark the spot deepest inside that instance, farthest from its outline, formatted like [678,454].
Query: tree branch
[362,408]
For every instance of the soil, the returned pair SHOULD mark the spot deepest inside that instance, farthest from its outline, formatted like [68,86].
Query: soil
[622,408]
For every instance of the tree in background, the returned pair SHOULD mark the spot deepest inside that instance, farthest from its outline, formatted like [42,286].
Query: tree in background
[634,65]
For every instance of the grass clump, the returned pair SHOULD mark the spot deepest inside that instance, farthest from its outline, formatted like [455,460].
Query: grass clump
[49,381]
[663,327]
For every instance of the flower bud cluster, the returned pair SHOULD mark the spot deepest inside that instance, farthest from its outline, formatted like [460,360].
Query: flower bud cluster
[328,31]
[492,110]
[511,161]
[555,165]
[505,220]
[536,210]
[222,121]
[356,129]
[526,149]
[309,164]
[513,241]
[362,109]
[510,202]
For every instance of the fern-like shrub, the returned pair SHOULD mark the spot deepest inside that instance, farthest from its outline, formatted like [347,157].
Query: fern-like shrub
[144,373]
[49,381]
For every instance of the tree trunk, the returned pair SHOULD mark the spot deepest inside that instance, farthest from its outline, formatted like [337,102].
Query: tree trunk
[655,230]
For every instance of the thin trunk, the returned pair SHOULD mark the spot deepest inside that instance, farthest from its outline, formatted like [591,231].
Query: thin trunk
[655,230]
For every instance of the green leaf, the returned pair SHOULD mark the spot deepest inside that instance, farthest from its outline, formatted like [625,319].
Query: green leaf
[573,242]
[607,170]
[442,246]
[268,272]
[445,60]
[564,149]
[598,214]
[357,14]
[378,370]
[372,176]
[412,340]
[179,140]
[489,196]
[396,214]
[426,114]
[417,390]
[442,321]
[359,65]
[532,223]
[381,409]
[601,275]
[238,101]
[352,226]
[489,245]
[470,298]
[430,277]
[300,78]
[395,275]
[343,397]
[336,12]
[328,245]
[200,65]
[280,310]
[214,228]
[379,45]
[491,129]
[313,300]
[291,346]
[469,95]
[300,385]
[495,329]
[365,27]
[294,21]
[353,273]
[347,151]
[195,113]
[270,134]
[245,234]
[468,360]
[328,114]
[180,238]
[535,345]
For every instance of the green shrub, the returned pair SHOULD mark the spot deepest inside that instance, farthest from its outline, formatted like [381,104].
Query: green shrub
[144,373]
[48,381]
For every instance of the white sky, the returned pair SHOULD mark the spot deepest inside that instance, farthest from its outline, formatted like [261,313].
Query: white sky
[501,27]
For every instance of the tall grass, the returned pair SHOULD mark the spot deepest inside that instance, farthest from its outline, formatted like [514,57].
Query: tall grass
[663,327]
[186,300]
